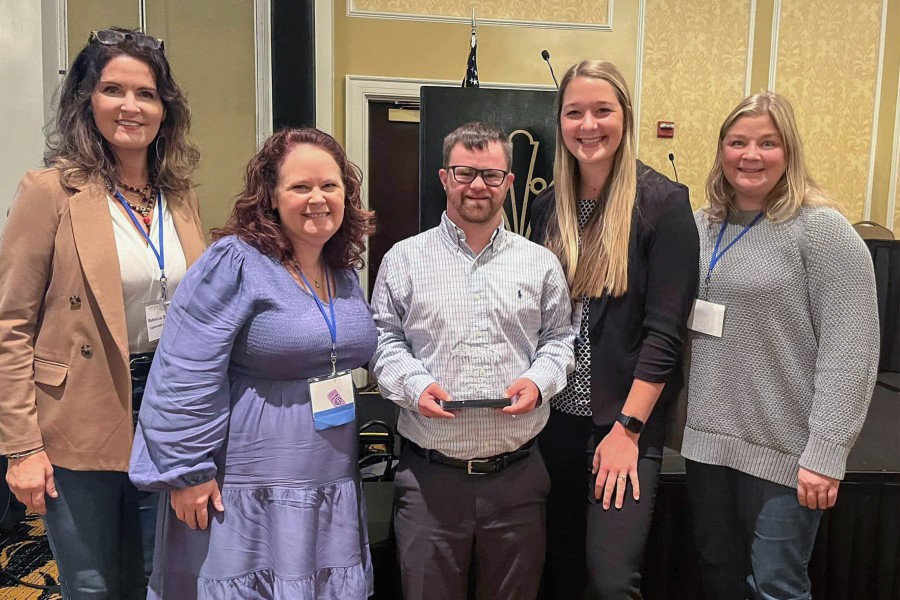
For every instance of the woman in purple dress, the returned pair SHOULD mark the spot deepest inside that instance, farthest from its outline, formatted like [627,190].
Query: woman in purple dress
[248,419]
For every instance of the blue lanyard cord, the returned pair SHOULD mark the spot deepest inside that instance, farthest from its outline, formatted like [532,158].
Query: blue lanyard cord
[332,324]
[716,255]
[161,253]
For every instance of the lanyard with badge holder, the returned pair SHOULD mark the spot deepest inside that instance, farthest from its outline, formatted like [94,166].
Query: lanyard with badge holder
[708,317]
[154,310]
[331,396]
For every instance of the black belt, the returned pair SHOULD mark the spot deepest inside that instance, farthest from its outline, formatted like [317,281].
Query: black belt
[475,466]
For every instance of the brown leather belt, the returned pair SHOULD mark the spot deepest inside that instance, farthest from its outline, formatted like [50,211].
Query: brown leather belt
[475,466]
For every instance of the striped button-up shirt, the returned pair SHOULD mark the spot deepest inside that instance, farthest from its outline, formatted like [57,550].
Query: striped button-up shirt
[472,324]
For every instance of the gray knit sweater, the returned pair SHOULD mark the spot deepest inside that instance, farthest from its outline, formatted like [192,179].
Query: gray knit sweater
[790,380]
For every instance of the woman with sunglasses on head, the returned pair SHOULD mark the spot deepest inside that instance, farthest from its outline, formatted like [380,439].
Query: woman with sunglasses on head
[94,246]
[626,239]
[784,357]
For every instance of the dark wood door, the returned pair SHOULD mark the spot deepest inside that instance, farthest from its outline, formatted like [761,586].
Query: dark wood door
[393,182]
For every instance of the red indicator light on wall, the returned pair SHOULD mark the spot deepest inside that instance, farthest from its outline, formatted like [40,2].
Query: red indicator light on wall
[665,129]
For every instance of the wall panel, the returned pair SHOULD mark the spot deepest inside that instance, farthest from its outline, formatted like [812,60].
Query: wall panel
[694,73]
[83,16]
[580,13]
[435,50]
[827,66]
[210,45]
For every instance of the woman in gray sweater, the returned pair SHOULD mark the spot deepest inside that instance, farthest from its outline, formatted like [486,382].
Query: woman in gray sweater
[784,355]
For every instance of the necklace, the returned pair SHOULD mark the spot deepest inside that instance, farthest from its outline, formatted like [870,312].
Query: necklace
[145,192]
[147,199]
[143,209]
[315,277]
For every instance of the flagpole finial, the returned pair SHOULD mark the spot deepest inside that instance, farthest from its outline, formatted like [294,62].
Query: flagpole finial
[473,18]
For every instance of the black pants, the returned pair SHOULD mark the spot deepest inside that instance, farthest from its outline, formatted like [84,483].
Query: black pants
[448,523]
[591,553]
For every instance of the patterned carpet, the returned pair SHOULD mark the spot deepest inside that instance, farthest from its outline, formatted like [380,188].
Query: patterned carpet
[25,554]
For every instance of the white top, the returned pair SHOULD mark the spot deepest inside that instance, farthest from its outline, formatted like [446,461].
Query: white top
[140,270]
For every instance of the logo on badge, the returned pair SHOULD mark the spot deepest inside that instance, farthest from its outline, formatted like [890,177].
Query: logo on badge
[335,398]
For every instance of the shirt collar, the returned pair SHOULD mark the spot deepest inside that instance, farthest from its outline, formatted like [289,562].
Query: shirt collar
[456,237]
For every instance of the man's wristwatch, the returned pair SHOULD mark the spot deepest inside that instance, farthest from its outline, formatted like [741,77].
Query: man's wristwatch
[632,424]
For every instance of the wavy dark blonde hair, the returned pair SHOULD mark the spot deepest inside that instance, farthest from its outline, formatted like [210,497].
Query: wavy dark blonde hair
[255,221]
[796,187]
[76,147]
[602,262]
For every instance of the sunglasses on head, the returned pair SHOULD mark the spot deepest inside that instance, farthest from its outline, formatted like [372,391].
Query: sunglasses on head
[112,37]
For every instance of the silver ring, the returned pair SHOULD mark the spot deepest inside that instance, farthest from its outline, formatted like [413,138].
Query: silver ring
[622,477]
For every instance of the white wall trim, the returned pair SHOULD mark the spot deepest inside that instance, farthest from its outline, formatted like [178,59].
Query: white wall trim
[748,73]
[773,55]
[324,22]
[262,33]
[876,109]
[352,11]
[639,74]
[142,15]
[895,167]
[55,50]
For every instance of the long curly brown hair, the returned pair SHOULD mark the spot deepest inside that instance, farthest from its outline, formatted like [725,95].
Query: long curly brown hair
[75,145]
[255,221]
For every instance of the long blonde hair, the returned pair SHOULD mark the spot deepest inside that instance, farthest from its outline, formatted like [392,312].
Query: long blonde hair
[604,240]
[796,187]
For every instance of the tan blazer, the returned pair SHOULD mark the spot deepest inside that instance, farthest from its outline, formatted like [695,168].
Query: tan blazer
[65,382]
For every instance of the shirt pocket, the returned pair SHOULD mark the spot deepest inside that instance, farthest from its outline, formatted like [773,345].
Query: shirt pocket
[50,373]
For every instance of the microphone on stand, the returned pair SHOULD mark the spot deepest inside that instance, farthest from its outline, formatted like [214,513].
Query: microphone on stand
[672,160]
[546,56]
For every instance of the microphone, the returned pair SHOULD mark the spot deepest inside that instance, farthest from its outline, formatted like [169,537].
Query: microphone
[546,56]
[672,160]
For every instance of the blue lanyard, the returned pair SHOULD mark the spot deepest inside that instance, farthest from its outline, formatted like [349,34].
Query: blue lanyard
[160,254]
[332,324]
[716,255]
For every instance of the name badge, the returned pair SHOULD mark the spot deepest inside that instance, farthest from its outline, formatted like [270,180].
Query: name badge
[155,313]
[332,400]
[707,317]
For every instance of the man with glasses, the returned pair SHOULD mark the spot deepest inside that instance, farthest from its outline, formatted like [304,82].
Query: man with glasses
[469,311]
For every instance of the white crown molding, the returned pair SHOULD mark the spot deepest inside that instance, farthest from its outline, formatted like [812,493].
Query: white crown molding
[371,14]
[751,33]
[262,33]
[773,54]
[324,21]
[639,74]
[876,109]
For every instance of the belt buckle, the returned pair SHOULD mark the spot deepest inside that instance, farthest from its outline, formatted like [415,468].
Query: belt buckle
[469,464]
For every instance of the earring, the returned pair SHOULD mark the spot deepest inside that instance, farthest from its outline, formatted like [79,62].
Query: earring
[159,138]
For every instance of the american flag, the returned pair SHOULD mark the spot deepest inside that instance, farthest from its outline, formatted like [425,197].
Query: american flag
[471,78]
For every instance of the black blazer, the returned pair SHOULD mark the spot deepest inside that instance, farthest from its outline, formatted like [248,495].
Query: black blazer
[641,333]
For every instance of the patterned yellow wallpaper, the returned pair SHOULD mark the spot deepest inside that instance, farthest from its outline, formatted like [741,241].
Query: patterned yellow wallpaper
[694,69]
[572,11]
[827,67]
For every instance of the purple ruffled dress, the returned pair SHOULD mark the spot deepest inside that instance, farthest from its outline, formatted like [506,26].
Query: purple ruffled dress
[228,398]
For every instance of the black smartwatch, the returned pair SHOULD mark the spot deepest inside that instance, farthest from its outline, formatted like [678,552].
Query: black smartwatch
[632,424]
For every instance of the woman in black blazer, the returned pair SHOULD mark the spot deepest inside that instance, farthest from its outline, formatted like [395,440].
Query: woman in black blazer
[626,238]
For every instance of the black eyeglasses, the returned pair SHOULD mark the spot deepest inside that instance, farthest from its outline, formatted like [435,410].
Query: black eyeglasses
[491,177]
[113,37]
